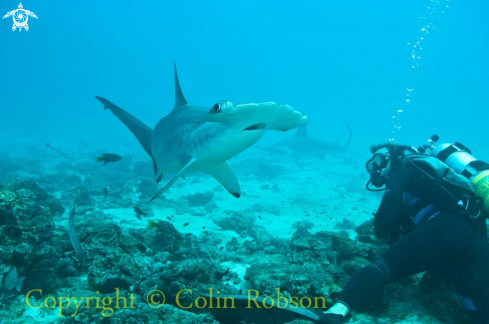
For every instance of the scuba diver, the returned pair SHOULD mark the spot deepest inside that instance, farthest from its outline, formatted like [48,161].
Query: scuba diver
[433,213]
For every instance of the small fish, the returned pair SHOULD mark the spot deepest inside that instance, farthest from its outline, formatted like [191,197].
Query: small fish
[57,150]
[169,218]
[164,226]
[186,224]
[75,241]
[11,280]
[259,216]
[203,227]
[108,157]
[139,212]
[106,192]
[220,275]
[240,291]
[141,247]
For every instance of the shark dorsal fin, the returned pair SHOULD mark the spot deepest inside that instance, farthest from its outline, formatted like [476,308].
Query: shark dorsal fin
[179,98]
[302,131]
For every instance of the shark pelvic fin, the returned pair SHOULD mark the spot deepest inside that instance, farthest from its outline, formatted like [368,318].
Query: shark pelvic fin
[158,179]
[179,98]
[173,180]
[302,131]
[223,173]
[155,169]
[142,132]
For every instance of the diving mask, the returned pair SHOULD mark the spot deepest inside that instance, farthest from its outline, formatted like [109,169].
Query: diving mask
[377,167]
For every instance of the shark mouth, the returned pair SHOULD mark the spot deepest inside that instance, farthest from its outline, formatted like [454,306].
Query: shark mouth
[253,128]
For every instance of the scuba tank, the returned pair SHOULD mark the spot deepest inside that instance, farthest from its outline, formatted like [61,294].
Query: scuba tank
[460,159]
[470,174]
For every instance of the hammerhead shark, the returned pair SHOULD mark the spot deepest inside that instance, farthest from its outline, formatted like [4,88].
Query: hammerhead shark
[302,145]
[195,138]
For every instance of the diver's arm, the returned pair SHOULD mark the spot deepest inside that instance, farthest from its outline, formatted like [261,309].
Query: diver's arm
[387,217]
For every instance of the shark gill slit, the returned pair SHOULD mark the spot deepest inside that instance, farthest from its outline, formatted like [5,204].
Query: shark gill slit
[192,150]
[195,146]
[188,147]
[205,142]
[198,144]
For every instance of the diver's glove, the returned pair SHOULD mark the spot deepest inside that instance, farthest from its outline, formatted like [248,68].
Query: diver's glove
[335,314]
[330,318]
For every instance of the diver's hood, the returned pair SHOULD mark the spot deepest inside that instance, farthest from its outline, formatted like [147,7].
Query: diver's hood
[378,161]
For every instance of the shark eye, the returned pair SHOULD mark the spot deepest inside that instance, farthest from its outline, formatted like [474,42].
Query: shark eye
[217,107]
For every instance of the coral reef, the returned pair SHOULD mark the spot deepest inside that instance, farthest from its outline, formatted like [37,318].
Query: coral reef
[236,222]
[122,258]
[198,199]
[27,235]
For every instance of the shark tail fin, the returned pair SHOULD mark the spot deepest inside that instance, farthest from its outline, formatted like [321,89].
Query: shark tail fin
[302,131]
[351,134]
[142,132]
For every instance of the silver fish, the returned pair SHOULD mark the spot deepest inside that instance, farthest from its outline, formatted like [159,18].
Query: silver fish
[75,241]
[12,280]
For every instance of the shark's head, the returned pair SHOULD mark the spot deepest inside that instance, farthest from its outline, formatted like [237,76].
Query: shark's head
[254,117]
[247,124]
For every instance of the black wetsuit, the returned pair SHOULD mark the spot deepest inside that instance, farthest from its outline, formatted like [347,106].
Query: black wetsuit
[441,240]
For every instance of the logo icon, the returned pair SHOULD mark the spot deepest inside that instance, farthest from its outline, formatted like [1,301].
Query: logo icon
[20,17]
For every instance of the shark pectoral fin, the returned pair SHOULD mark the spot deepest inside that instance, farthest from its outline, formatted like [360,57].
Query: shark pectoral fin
[302,131]
[285,150]
[173,180]
[300,163]
[183,177]
[223,173]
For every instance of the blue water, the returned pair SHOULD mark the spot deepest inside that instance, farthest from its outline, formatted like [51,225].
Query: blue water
[394,70]
[334,60]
